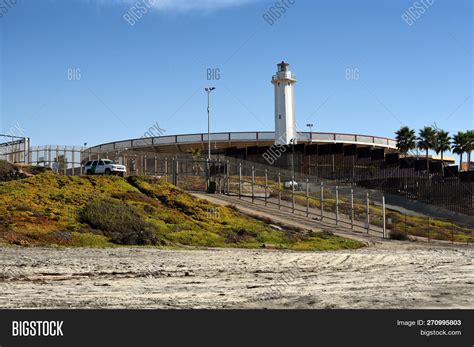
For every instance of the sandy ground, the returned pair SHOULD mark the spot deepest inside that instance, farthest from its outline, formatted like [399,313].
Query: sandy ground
[387,275]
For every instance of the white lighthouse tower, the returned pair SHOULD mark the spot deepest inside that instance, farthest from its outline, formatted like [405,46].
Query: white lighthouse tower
[285,122]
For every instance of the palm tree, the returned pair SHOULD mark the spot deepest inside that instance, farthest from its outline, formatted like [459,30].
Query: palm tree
[442,144]
[426,141]
[406,139]
[469,146]
[459,145]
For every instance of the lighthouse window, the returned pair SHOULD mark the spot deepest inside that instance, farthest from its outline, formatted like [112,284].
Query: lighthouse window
[278,83]
[279,116]
[288,83]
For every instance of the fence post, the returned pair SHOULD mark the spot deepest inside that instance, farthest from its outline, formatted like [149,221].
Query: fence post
[279,189]
[429,227]
[218,181]
[227,190]
[307,197]
[352,208]
[48,155]
[405,224]
[337,205]
[125,163]
[166,170]
[452,232]
[321,205]
[293,193]
[266,183]
[367,210]
[73,162]
[144,165]
[253,182]
[65,160]
[384,225]
[156,166]
[240,180]
[80,164]
[176,173]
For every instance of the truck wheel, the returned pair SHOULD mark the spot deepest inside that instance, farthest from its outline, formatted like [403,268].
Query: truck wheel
[89,172]
[107,171]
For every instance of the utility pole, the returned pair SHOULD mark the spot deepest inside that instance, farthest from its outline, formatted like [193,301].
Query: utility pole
[310,126]
[292,141]
[208,91]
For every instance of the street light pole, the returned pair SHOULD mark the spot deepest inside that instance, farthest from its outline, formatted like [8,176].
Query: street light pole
[292,141]
[310,126]
[208,91]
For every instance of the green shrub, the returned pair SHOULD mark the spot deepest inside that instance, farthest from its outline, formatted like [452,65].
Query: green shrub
[398,235]
[120,221]
[8,171]
[237,235]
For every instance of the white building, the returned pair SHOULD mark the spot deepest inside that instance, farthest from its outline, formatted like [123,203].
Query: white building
[285,122]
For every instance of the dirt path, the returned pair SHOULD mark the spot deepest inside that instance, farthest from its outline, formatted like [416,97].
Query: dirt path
[300,220]
[388,275]
[314,218]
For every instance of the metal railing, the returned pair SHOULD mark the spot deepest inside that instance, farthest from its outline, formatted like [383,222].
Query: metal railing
[264,136]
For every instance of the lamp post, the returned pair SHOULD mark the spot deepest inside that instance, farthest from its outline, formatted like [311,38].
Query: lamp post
[310,126]
[292,141]
[208,91]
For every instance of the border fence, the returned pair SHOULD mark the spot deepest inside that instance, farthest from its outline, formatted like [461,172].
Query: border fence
[65,160]
[405,177]
[360,209]
[14,149]
[331,201]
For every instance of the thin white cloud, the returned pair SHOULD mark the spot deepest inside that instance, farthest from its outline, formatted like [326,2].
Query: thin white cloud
[189,5]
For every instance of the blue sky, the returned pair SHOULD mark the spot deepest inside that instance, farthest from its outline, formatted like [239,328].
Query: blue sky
[155,71]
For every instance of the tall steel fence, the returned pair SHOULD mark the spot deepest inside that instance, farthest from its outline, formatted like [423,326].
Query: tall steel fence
[14,149]
[360,209]
[287,189]
[410,178]
[65,160]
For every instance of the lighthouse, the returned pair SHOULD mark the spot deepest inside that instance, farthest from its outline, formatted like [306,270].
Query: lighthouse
[285,122]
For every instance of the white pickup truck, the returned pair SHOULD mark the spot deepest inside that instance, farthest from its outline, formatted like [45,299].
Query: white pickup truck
[104,167]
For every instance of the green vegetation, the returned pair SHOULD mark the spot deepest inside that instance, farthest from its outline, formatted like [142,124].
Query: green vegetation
[400,224]
[438,140]
[426,140]
[106,211]
[123,223]
[406,139]
[463,142]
